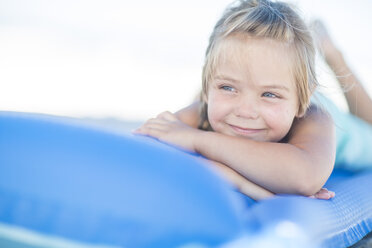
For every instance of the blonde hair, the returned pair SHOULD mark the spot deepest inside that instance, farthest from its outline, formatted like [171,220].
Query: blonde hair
[264,19]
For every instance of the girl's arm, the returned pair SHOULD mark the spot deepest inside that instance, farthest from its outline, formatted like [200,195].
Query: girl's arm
[241,183]
[253,190]
[190,114]
[300,166]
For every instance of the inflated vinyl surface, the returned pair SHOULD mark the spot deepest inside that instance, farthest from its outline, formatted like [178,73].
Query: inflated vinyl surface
[87,185]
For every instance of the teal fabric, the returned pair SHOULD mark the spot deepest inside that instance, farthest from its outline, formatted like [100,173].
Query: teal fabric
[354,137]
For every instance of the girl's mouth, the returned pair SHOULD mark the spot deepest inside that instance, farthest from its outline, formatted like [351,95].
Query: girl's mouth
[246,131]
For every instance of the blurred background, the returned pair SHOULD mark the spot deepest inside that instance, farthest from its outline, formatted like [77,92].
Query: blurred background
[129,60]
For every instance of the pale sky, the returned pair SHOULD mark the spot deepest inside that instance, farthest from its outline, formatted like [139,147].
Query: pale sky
[134,59]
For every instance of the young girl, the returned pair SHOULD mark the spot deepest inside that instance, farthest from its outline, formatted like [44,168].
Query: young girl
[254,120]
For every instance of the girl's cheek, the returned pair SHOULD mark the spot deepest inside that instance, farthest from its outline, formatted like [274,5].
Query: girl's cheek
[214,100]
[218,106]
[280,113]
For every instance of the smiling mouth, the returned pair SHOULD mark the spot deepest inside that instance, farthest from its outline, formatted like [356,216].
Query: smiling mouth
[246,131]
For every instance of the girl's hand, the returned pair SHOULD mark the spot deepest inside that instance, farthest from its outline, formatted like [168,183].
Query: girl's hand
[324,194]
[168,128]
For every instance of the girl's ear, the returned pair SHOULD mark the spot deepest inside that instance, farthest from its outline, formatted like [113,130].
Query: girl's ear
[300,113]
[203,97]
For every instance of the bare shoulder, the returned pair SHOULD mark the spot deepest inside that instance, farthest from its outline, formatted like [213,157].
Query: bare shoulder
[315,133]
[190,115]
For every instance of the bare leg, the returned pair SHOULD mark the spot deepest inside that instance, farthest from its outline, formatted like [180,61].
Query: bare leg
[359,102]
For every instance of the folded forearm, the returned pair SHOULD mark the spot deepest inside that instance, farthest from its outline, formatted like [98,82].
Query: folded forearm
[245,186]
[277,167]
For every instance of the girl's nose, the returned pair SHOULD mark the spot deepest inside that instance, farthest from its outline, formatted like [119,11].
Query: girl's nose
[247,108]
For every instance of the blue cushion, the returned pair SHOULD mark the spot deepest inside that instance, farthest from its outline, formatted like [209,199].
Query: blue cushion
[82,184]
[339,222]
[63,179]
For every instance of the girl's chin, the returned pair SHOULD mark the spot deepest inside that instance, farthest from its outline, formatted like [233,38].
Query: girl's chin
[255,137]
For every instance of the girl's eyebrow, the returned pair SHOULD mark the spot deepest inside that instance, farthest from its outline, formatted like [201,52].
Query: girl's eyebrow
[227,78]
[275,86]
[270,86]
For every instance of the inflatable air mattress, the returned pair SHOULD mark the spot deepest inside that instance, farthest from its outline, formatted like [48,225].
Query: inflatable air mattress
[65,184]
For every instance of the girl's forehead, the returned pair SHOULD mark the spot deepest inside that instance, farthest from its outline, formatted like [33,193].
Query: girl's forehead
[243,46]
[262,58]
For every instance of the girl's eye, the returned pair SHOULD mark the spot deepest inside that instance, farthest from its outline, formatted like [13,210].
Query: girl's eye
[270,95]
[227,88]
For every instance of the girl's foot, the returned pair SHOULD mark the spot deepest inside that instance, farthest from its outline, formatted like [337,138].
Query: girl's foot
[324,42]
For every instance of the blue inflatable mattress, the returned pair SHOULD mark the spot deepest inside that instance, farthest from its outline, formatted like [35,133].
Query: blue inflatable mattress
[66,184]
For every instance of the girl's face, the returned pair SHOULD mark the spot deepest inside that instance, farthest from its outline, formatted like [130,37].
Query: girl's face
[253,92]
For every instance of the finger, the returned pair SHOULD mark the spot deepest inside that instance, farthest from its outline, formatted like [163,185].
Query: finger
[135,131]
[139,130]
[167,116]
[152,123]
[324,196]
[332,193]
[145,129]
[151,131]
[323,190]
[156,121]
[326,191]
